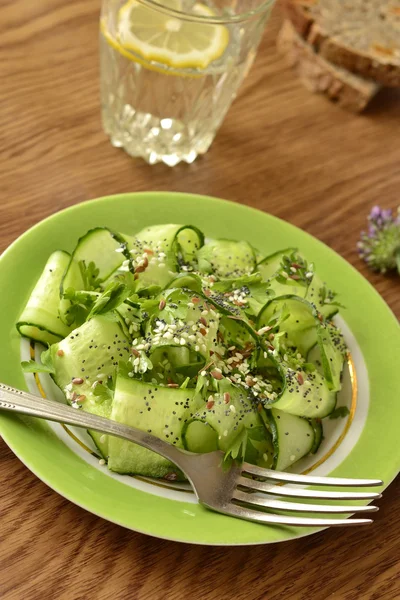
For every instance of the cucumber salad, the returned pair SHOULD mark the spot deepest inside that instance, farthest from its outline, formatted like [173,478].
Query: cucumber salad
[205,344]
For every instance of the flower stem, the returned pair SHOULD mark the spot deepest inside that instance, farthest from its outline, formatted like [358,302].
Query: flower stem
[397,256]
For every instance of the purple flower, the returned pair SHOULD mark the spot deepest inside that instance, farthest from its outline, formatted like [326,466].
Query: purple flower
[380,246]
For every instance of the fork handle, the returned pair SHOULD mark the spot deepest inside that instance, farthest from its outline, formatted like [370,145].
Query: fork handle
[14,400]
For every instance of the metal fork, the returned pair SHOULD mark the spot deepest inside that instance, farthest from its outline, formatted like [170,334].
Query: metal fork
[233,492]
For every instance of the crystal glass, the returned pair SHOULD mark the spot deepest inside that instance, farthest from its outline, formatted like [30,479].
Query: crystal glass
[170,70]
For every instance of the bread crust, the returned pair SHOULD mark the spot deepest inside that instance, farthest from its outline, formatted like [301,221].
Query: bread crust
[349,91]
[380,61]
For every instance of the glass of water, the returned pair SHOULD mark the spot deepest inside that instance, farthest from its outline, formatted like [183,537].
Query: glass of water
[170,70]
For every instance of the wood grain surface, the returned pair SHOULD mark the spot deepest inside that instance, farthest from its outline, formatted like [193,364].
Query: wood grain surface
[282,150]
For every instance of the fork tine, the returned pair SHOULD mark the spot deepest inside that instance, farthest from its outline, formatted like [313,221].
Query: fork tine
[306,479]
[285,490]
[297,506]
[267,518]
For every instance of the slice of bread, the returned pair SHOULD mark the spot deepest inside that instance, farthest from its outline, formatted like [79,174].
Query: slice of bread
[346,89]
[363,36]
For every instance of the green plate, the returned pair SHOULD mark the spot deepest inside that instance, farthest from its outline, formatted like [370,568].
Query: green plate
[374,452]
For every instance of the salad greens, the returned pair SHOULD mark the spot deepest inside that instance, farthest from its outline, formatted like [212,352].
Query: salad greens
[205,345]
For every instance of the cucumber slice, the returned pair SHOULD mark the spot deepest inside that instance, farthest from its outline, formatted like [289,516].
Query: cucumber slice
[227,258]
[305,394]
[314,295]
[271,264]
[297,321]
[102,247]
[235,333]
[292,436]
[164,248]
[91,353]
[40,318]
[271,269]
[316,424]
[96,256]
[158,410]
[190,281]
[229,415]
[333,351]
[200,437]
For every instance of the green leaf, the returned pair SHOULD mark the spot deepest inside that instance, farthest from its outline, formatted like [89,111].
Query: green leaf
[31,366]
[225,285]
[149,291]
[237,450]
[81,303]
[340,411]
[114,295]
[102,392]
[124,368]
[90,275]
[45,366]
[185,383]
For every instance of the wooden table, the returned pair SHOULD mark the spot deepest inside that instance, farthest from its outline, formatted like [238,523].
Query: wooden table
[281,150]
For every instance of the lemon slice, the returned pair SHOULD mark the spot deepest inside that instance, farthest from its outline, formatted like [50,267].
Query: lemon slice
[171,41]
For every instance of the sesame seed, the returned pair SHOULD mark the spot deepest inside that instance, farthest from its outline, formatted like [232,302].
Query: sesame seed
[102,462]
[60,352]
[264,330]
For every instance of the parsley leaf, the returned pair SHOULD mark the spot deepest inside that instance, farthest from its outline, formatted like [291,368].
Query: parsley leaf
[237,449]
[45,366]
[81,304]
[102,392]
[114,295]
[340,411]
[90,275]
